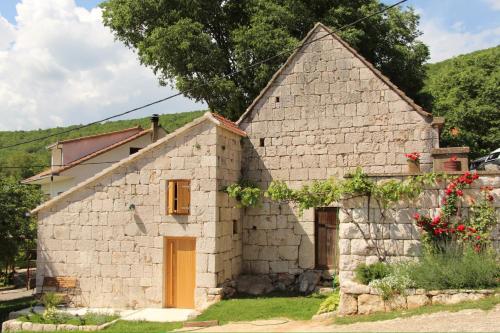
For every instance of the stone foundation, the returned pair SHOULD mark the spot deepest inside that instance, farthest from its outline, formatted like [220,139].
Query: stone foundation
[361,299]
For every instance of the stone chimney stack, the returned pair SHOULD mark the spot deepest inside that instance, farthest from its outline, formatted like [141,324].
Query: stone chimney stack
[155,126]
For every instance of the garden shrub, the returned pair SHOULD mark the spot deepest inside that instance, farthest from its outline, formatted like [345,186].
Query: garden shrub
[330,303]
[367,273]
[396,283]
[456,269]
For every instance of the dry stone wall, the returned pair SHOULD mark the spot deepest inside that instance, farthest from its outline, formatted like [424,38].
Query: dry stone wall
[365,236]
[325,115]
[115,252]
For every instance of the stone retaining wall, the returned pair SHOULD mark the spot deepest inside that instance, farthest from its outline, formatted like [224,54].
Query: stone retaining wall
[365,300]
[365,236]
[15,325]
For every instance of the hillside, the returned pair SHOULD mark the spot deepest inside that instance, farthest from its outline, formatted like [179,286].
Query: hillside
[466,91]
[32,155]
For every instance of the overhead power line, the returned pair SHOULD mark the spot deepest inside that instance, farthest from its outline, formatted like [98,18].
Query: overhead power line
[206,83]
[55,165]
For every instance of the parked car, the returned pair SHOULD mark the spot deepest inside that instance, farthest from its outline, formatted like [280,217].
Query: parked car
[490,162]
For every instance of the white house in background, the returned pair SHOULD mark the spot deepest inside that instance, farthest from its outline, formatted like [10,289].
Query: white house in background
[76,160]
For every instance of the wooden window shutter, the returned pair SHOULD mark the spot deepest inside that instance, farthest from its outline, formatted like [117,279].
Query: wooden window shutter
[171,197]
[183,196]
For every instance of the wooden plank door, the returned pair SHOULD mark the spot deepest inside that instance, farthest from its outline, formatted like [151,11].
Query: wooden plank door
[180,272]
[326,238]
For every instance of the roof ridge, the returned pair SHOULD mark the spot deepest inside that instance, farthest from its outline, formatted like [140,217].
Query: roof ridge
[139,127]
[84,158]
[370,66]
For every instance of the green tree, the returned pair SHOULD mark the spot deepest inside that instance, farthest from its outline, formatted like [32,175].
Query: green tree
[198,43]
[466,91]
[17,228]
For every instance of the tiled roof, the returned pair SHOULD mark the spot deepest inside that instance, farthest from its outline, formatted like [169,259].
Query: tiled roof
[59,169]
[232,126]
[139,128]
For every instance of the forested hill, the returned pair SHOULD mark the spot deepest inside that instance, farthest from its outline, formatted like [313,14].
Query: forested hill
[466,91]
[31,155]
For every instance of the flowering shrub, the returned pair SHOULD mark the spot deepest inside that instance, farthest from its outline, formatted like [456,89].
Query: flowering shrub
[415,157]
[449,224]
[395,283]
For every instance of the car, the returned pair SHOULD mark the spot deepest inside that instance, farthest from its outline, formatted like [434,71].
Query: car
[490,162]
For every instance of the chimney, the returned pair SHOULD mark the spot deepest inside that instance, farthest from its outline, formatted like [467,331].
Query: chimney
[155,119]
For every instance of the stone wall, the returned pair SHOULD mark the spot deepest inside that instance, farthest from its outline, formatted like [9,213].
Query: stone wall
[115,252]
[325,114]
[362,302]
[365,236]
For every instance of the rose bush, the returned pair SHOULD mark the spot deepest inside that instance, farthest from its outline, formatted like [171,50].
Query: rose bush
[450,224]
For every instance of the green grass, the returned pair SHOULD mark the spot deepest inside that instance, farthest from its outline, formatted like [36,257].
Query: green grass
[8,306]
[487,303]
[65,318]
[277,305]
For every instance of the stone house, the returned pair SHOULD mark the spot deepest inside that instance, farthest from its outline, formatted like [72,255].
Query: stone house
[156,229]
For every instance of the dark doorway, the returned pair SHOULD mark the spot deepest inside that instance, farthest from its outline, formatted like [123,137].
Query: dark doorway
[326,234]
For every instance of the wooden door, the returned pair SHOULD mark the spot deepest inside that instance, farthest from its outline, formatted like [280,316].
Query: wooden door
[326,238]
[180,272]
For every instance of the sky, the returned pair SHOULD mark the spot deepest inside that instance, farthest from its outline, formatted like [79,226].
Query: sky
[60,66]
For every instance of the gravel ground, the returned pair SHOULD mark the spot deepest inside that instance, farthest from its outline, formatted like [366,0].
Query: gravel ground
[463,321]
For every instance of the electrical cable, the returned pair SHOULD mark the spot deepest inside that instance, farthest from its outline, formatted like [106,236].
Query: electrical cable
[206,83]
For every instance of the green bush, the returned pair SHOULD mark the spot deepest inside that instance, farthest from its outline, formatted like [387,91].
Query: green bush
[367,273]
[456,270]
[330,303]
[396,283]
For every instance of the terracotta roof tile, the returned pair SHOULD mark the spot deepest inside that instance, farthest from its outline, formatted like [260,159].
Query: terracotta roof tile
[229,124]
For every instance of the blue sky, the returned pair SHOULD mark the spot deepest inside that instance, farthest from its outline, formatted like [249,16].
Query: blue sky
[60,66]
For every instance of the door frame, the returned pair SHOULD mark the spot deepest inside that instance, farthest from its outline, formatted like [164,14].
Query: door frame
[316,242]
[165,272]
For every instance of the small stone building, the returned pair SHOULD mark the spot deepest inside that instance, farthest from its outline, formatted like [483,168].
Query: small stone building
[156,229]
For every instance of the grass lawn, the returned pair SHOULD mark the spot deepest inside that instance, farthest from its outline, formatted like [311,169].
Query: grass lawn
[276,305]
[487,303]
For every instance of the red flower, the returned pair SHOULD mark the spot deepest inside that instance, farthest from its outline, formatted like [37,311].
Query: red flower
[461,228]
[449,191]
[436,220]
[460,193]
[475,175]
[416,216]
[413,156]
[478,237]
[490,197]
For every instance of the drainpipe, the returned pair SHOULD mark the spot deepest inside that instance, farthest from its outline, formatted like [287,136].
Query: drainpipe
[155,126]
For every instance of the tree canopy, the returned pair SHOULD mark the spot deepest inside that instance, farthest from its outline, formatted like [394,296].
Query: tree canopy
[17,228]
[200,44]
[466,91]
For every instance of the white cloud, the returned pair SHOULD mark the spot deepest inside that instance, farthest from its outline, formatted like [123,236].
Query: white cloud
[447,42]
[494,4]
[59,66]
